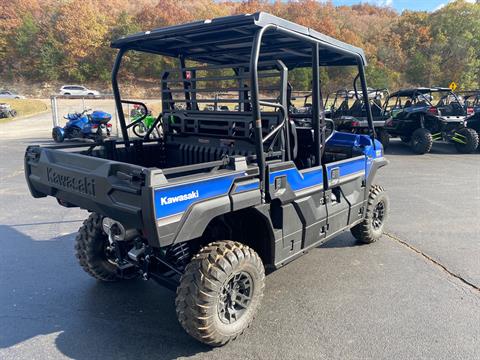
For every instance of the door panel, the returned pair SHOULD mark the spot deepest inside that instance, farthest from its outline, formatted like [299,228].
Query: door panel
[298,205]
[345,194]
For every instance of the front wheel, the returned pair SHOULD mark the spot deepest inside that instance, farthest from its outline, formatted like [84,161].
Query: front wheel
[371,228]
[466,140]
[58,135]
[220,292]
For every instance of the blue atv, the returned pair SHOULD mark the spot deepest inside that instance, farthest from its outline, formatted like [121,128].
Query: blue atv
[94,126]
[224,195]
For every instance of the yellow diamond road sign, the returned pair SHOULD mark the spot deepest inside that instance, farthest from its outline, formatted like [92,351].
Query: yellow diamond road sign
[452,86]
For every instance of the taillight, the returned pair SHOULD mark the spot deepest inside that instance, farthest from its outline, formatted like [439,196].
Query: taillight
[433,110]
[355,123]
[389,122]
[470,111]
[94,126]
[109,125]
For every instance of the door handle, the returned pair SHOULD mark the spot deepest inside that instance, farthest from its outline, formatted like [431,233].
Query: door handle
[334,176]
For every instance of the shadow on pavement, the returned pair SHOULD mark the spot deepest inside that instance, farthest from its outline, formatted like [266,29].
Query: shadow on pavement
[44,291]
[397,147]
[343,240]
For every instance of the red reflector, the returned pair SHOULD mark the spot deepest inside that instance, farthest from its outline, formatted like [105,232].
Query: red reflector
[470,111]
[94,126]
[433,110]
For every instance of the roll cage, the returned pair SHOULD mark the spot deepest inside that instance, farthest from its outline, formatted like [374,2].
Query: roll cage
[471,98]
[249,45]
[342,96]
[416,95]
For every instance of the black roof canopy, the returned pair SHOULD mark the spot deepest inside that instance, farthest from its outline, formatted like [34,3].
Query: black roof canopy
[419,90]
[229,39]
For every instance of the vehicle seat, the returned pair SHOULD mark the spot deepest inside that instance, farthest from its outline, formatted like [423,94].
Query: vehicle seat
[408,103]
[376,108]
[356,109]
[342,109]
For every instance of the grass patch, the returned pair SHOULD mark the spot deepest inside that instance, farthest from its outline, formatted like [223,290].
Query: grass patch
[25,107]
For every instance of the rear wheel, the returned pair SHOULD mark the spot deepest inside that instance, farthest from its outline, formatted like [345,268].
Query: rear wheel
[383,137]
[467,140]
[93,250]
[421,141]
[371,228]
[140,129]
[220,292]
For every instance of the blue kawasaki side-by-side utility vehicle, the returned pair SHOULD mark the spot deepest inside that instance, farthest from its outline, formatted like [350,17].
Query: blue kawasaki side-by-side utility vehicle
[225,193]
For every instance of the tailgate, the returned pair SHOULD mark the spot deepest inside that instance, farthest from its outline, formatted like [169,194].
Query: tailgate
[111,188]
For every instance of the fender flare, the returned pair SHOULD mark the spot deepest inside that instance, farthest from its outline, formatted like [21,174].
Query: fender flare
[196,219]
[377,164]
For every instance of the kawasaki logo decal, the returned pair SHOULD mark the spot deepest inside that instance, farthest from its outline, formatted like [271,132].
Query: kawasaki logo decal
[82,185]
[167,200]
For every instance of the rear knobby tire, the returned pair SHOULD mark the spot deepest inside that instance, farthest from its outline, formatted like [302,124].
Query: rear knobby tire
[371,228]
[421,141]
[90,245]
[384,138]
[140,129]
[471,141]
[201,295]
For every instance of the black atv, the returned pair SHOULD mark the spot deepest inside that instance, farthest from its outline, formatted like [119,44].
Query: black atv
[353,119]
[418,122]
[472,107]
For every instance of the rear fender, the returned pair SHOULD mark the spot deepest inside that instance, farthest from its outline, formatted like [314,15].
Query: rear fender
[210,199]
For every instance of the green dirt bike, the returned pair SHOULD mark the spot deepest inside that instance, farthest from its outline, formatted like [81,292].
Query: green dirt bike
[143,126]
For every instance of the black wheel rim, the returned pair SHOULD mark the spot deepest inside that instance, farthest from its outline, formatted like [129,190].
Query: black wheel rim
[235,297]
[378,215]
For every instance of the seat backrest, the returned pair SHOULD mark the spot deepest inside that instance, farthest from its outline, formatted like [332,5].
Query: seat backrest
[342,109]
[356,109]
[376,108]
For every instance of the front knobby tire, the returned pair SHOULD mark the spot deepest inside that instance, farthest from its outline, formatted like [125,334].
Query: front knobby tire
[470,139]
[421,141]
[220,292]
[371,228]
[91,246]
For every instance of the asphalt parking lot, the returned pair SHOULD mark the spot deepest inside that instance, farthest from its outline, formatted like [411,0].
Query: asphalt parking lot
[413,295]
